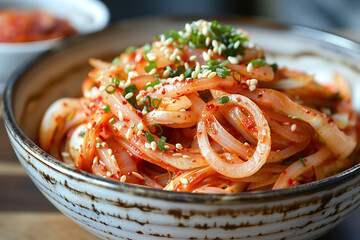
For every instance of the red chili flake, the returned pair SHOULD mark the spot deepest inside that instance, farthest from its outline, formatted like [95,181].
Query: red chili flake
[284,172]
[210,106]
[58,118]
[308,111]
[305,160]
[330,120]
[163,92]
[238,99]
[124,102]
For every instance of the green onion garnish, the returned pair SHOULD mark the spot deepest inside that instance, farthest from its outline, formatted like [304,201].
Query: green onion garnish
[147,101]
[82,133]
[188,72]
[110,89]
[223,99]
[98,145]
[287,162]
[106,108]
[115,61]
[156,102]
[130,49]
[157,75]
[302,161]
[149,137]
[150,67]
[223,72]
[133,126]
[161,144]
[156,125]
[131,88]
[112,121]
[115,80]
[236,78]
[257,62]
[147,48]
[126,70]
[152,84]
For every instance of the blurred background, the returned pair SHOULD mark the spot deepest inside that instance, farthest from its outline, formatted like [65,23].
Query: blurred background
[341,16]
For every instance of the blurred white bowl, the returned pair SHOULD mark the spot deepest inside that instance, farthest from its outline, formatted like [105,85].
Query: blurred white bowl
[85,16]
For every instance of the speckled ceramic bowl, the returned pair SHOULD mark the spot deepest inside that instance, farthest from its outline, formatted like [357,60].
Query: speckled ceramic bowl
[113,210]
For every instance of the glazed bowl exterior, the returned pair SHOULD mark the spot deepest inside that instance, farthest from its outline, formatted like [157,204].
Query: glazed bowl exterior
[114,210]
[85,16]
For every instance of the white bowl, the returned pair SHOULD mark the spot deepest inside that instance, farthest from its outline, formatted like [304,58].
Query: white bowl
[114,210]
[85,16]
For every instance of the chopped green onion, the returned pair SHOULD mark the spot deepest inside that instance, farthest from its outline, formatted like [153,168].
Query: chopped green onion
[133,126]
[130,49]
[126,70]
[131,88]
[150,67]
[98,145]
[106,108]
[157,75]
[302,161]
[110,89]
[223,72]
[274,67]
[156,37]
[112,121]
[223,99]
[257,62]
[176,61]
[147,48]
[149,137]
[115,61]
[223,64]
[146,109]
[188,72]
[161,144]
[156,125]
[82,133]
[336,96]
[235,78]
[70,116]
[156,102]
[115,80]
[152,84]
[147,101]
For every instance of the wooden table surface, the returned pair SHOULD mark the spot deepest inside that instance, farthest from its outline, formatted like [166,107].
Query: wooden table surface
[25,214]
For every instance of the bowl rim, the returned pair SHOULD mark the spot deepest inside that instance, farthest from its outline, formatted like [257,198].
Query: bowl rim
[15,132]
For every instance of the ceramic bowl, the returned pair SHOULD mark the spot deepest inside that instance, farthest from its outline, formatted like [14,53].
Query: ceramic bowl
[113,210]
[85,16]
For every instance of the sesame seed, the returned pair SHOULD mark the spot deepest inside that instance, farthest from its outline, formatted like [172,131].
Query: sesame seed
[186,156]
[182,110]
[166,146]
[138,175]
[119,128]
[120,115]
[197,68]
[194,74]
[219,51]
[144,112]
[139,133]
[65,154]
[153,145]
[153,71]
[233,60]
[210,52]
[177,154]
[172,56]
[138,57]
[112,157]
[184,181]
[163,48]
[181,77]
[150,89]
[129,95]
[206,56]
[293,127]
[188,28]
[286,123]
[123,178]
[250,67]
[192,58]
[199,75]
[129,134]
[251,45]
[205,66]
[215,43]
[151,56]
[168,41]
[110,151]
[166,73]
[237,44]
[89,125]
[253,81]
[147,145]
[246,144]
[103,144]
[179,146]
[140,126]
[186,65]
[158,44]
[162,38]
[206,73]
[252,88]
[167,51]
[178,58]
[171,185]
[239,57]
[212,74]
[101,88]
[207,41]
[108,174]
